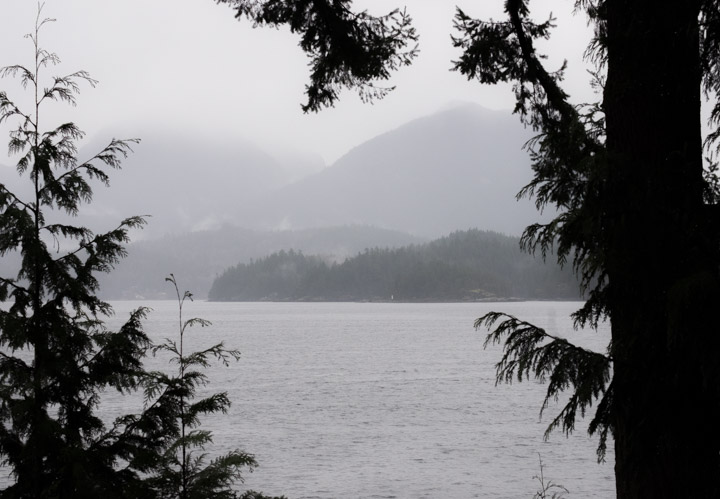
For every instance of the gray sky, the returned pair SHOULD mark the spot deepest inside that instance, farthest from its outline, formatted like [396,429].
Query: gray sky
[188,65]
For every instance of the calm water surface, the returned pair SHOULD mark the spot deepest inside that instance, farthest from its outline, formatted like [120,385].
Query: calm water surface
[383,400]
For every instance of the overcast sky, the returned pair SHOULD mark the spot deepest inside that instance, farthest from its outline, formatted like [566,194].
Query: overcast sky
[189,66]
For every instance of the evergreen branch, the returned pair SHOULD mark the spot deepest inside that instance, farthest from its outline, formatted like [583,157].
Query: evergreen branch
[218,351]
[160,393]
[530,351]
[196,321]
[168,345]
[156,385]
[15,199]
[12,359]
[39,23]
[26,76]
[541,236]
[522,340]
[216,479]
[196,438]
[68,133]
[495,52]
[109,155]
[346,49]
[14,375]
[68,231]
[8,109]
[118,234]
[115,362]
[47,58]
[601,422]
[16,224]
[556,97]
[710,63]
[5,283]
[217,402]
[152,422]
[191,380]
[65,87]
[18,144]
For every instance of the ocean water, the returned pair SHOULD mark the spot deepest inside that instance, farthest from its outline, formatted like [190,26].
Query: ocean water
[382,400]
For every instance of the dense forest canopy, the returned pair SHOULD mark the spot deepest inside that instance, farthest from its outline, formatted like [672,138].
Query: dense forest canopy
[464,266]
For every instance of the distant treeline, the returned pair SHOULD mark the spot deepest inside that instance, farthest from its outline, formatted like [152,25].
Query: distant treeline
[464,266]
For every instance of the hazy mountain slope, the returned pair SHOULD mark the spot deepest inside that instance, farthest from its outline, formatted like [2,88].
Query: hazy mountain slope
[186,183]
[196,258]
[183,182]
[455,169]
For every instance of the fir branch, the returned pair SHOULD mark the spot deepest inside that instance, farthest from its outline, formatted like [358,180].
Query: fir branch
[68,231]
[347,49]
[217,402]
[65,88]
[222,473]
[107,243]
[5,283]
[530,351]
[200,358]
[5,193]
[26,76]
[8,109]
[70,182]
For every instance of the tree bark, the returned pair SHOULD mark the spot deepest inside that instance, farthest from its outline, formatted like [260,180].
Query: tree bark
[662,256]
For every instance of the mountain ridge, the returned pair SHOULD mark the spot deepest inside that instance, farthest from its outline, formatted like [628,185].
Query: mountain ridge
[455,169]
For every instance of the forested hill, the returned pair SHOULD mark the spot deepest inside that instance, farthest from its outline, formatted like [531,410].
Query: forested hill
[464,266]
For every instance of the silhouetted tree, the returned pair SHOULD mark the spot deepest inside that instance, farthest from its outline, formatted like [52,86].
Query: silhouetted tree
[638,220]
[627,173]
[57,356]
[182,472]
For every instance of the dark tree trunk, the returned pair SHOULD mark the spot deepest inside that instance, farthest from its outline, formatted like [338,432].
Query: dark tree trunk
[662,256]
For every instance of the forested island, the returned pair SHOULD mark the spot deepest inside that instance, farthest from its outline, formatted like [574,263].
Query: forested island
[471,265]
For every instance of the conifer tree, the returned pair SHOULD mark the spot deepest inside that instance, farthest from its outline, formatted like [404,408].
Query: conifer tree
[183,471]
[639,224]
[56,355]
